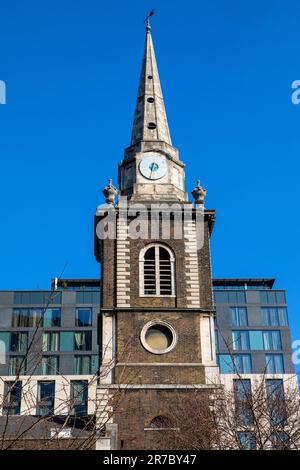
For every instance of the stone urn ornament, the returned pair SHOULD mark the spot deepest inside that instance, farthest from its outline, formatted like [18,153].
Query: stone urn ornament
[110,193]
[199,194]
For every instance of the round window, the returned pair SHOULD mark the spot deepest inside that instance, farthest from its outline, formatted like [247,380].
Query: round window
[158,337]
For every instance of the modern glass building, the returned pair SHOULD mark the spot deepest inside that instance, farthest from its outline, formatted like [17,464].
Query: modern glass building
[49,349]
[51,359]
[251,330]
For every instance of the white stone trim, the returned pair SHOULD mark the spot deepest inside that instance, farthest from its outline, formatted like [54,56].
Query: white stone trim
[191,264]
[122,265]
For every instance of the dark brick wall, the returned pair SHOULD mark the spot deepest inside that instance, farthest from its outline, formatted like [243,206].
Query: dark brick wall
[136,411]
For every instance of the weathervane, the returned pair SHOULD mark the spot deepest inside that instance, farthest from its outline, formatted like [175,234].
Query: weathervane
[147,20]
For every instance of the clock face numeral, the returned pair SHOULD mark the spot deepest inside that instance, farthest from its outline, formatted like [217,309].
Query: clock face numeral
[153,166]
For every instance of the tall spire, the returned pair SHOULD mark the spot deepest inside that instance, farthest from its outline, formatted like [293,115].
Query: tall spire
[150,121]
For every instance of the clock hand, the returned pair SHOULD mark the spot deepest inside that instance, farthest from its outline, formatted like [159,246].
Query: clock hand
[152,169]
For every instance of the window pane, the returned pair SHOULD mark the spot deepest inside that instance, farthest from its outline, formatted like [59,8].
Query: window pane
[265,317]
[18,342]
[216,340]
[243,363]
[247,440]
[52,317]
[50,341]
[267,340]
[12,398]
[84,317]
[17,365]
[50,365]
[278,364]
[241,298]
[82,365]
[239,316]
[256,340]
[276,402]
[66,341]
[271,297]
[243,316]
[282,316]
[243,401]
[83,341]
[95,364]
[276,340]
[35,315]
[225,364]
[270,364]
[20,317]
[232,297]
[79,298]
[221,297]
[79,397]
[280,441]
[247,366]
[96,297]
[4,337]
[234,316]
[263,297]
[46,394]
[273,316]
[280,298]
[240,340]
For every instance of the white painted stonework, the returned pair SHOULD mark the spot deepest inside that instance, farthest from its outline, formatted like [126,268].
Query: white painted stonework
[123,264]
[191,264]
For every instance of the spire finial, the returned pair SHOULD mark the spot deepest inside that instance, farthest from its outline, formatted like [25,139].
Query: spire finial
[147,21]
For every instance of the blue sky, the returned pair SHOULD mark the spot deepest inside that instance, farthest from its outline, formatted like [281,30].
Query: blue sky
[71,70]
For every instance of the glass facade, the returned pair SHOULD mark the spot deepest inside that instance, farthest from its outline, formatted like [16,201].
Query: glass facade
[253,337]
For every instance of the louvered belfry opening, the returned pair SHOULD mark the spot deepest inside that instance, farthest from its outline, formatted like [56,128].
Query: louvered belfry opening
[158,271]
[165,274]
[150,272]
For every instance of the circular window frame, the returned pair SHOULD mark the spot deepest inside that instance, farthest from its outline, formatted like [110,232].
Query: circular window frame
[154,323]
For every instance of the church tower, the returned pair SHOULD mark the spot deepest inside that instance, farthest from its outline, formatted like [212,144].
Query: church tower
[156,328]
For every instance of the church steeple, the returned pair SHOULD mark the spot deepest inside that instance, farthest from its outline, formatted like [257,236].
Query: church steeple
[150,121]
[151,169]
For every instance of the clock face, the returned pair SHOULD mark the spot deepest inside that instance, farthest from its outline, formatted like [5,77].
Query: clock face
[153,166]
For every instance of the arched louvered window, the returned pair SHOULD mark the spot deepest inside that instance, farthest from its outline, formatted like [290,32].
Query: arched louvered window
[157,271]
